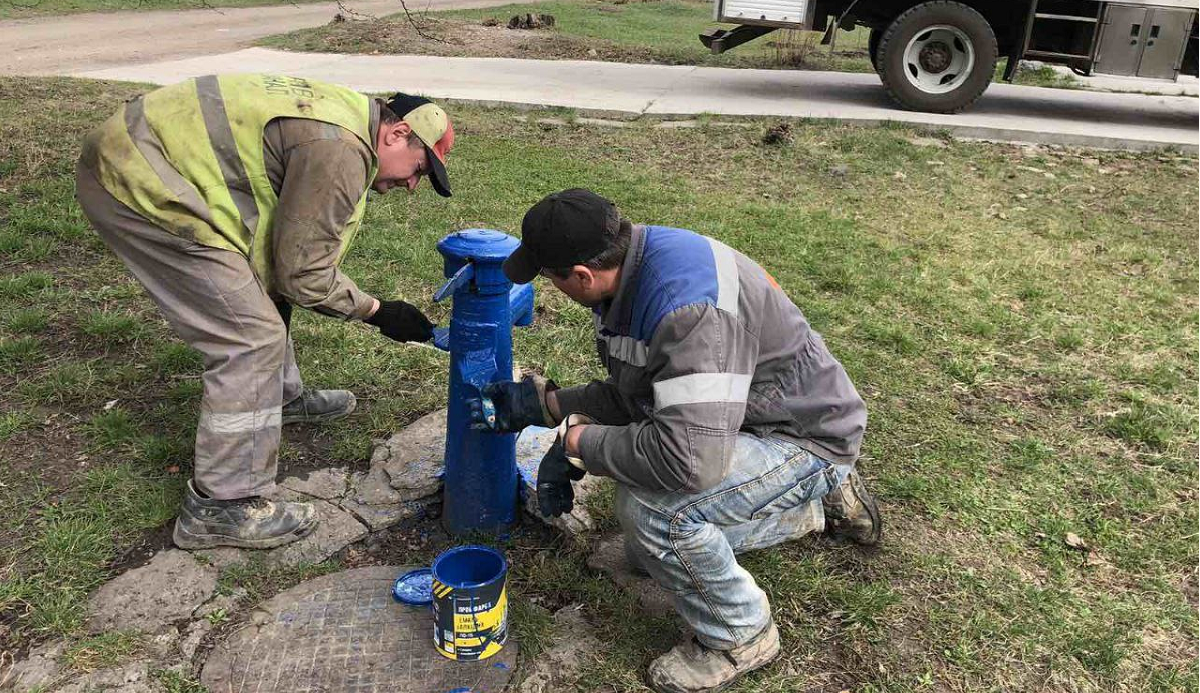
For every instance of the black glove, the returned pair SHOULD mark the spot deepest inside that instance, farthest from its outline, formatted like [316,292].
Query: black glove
[554,477]
[517,405]
[402,322]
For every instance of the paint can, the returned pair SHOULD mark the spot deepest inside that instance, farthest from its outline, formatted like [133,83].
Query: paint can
[470,604]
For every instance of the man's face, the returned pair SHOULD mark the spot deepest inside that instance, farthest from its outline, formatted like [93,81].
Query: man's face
[402,159]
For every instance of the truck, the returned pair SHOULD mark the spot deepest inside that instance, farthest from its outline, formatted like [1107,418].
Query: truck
[940,56]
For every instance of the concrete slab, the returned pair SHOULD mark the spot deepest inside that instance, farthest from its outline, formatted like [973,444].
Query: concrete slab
[146,599]
[344,632]
[328,484]
[414,458]
[38,671]
[1006,112]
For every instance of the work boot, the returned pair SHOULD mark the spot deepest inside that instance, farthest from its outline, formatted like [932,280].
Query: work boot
[851,513]
[313,406]
[248,523]
[691,667]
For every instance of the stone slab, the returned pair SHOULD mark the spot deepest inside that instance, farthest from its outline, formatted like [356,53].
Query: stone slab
[373,500]
[37,671]
[328,484]
[414,458]
[344,632]
[146,599]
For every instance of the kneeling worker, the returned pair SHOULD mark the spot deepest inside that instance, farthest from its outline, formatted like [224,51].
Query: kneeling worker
[723,421]
[232,198]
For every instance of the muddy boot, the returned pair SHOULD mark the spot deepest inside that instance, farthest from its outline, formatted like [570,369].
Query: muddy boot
[313,406]
[851,513]
[691,667]
[249,523]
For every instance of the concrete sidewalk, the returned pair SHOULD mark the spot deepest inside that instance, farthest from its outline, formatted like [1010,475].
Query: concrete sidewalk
[1006,112]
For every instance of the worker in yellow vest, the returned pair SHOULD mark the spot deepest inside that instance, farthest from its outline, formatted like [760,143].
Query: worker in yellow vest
[232,198]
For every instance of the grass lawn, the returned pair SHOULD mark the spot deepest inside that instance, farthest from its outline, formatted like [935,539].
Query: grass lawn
[655,31]
[1021,322]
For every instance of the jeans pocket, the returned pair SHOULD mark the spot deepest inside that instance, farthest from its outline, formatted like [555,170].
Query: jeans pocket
[809,488]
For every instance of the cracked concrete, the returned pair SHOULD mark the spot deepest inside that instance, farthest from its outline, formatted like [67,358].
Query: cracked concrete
[146,599]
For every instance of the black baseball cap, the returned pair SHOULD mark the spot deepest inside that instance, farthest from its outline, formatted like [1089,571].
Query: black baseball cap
[564,229]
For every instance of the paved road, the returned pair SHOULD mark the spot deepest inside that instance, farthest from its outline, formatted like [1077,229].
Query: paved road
[1006,112]
[57,45]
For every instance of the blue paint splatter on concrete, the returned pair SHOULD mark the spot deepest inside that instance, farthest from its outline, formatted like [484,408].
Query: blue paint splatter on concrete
[459,690]
[501,665]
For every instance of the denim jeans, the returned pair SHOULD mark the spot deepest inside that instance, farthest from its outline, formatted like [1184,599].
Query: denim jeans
[687,541]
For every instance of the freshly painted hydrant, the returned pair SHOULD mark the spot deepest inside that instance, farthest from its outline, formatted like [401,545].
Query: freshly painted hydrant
[481,471]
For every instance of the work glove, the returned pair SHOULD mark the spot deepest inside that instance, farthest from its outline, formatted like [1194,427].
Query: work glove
[554,477]
[402,322]
[517,404]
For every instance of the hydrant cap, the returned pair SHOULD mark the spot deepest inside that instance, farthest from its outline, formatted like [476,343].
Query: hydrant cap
[481,245]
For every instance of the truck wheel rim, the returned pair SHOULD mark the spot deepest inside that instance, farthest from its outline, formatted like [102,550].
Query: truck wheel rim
[939,59]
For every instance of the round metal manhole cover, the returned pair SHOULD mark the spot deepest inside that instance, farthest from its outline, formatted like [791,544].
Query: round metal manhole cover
[343,633]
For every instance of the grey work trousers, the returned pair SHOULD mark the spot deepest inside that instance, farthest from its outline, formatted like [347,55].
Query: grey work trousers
[214,302]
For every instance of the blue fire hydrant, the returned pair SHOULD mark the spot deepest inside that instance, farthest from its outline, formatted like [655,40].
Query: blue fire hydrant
[481,471]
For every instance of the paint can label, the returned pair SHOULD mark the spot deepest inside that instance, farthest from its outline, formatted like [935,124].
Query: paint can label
[470,622]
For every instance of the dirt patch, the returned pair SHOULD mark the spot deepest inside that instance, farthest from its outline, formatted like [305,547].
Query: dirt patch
[144,548]
[456,38]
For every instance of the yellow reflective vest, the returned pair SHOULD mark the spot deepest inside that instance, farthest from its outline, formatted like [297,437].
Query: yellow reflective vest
[189,157]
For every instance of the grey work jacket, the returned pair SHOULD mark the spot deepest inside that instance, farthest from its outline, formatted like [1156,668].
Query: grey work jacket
[701,343]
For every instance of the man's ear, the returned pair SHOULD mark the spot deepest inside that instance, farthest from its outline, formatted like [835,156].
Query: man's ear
[584,275]
[395,132]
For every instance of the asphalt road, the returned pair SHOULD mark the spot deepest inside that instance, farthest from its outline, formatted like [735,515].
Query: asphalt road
[56,45]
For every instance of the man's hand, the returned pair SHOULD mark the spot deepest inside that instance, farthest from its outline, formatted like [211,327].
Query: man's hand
[401,321]
[555,474]
[517,405]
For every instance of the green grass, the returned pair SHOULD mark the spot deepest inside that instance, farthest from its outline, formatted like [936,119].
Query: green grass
[104,650]
[1028,375]
[27,321]
[663,31]
[110,328]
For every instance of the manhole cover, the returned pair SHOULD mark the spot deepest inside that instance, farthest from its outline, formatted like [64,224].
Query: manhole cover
[343,633]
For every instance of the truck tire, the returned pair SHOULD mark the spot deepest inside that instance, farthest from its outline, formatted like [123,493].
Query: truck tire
[873,47]
[937,57]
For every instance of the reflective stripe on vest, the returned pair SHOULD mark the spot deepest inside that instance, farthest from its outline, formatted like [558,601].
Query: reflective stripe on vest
[189,157]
